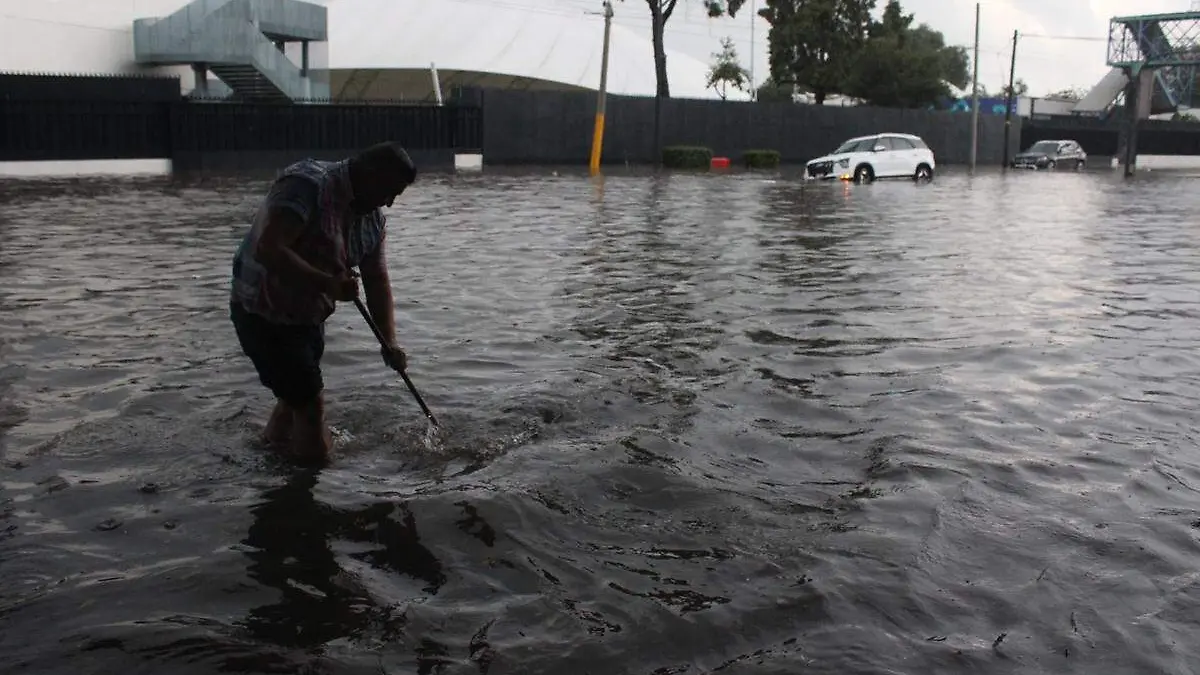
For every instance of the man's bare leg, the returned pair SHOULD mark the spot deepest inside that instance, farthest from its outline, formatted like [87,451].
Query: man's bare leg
[312,441]
[278,432]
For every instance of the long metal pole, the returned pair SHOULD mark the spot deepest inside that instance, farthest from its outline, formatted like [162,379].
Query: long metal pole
[1012,78]
[362,309]
[975,96]
[753,84]
[437,84]
[602,94]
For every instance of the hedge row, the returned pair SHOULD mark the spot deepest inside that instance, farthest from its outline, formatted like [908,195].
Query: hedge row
[696,157]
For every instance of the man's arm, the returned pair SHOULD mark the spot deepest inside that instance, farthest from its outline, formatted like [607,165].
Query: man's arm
[291,203]
[377,286]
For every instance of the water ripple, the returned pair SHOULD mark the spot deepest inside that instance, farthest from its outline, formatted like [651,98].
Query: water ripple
[693,424]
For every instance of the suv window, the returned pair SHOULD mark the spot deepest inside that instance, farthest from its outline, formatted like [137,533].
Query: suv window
[918,143]
[864,145]
[901,143]
[850,146]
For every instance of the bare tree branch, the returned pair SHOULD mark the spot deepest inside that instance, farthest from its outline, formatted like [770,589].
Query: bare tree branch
[669,9]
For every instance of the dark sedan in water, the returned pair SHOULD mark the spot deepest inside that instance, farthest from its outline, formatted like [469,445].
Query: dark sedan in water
[1050,155]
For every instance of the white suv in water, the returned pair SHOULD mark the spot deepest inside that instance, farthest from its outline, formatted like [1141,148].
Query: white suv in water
[867,158]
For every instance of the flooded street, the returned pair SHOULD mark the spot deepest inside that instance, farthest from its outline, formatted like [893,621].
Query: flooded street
[693,424]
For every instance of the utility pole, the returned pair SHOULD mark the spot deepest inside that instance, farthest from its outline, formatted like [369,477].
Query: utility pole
[975,96]
[753,84]
[602,94]
[1012,75]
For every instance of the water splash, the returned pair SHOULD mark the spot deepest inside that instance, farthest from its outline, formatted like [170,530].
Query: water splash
[433,439]
[341,437]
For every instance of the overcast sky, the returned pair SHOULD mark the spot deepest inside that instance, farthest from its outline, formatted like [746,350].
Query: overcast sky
[1044,63]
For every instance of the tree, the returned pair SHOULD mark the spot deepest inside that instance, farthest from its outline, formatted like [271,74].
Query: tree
[814,42]
[904,66]
[953,61]
[727,72]
[1019,89]
[893,23]
[891,72]
[1068,94]
[660,13]
[770,92]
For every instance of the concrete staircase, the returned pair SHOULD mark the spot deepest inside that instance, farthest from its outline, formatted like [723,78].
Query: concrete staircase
[242,42]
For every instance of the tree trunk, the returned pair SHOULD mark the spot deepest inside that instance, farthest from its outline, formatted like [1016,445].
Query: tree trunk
[660,11]
[819,97]
[658,22]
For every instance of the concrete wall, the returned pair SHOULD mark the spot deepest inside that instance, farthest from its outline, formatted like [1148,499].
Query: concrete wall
[1048,106]
[556,128]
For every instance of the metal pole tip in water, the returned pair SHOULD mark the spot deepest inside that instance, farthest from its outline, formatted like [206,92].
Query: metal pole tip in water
[362,309]
[420,401]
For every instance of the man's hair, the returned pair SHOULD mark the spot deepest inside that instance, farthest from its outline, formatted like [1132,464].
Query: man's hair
[389,155]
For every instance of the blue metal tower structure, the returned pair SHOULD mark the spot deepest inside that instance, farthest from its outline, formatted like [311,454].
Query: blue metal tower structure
[1166,43]
[1158,54]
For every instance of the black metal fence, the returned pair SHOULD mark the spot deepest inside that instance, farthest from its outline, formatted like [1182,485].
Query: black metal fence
[550,127]
[241,136]
[68,118]
[254,127]
[43,130]
[68,88]
[50,117]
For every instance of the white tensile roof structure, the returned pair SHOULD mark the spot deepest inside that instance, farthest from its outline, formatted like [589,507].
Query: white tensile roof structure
[383,49]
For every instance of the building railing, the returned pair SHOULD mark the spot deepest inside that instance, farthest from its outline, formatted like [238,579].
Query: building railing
[224,33]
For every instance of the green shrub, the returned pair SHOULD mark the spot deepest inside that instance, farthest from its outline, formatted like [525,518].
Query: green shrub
[687,157]
[761,159]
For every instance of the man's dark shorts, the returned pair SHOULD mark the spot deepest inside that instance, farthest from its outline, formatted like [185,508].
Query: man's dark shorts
[287,358]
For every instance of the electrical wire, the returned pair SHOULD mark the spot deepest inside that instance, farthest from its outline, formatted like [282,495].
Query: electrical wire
[1081,38]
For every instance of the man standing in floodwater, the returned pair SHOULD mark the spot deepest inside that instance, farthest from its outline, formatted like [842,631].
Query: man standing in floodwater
[318,222]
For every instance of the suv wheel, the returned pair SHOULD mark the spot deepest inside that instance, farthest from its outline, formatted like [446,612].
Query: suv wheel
[864,174]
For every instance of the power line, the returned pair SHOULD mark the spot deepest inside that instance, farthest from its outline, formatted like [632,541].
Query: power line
[1083,38]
